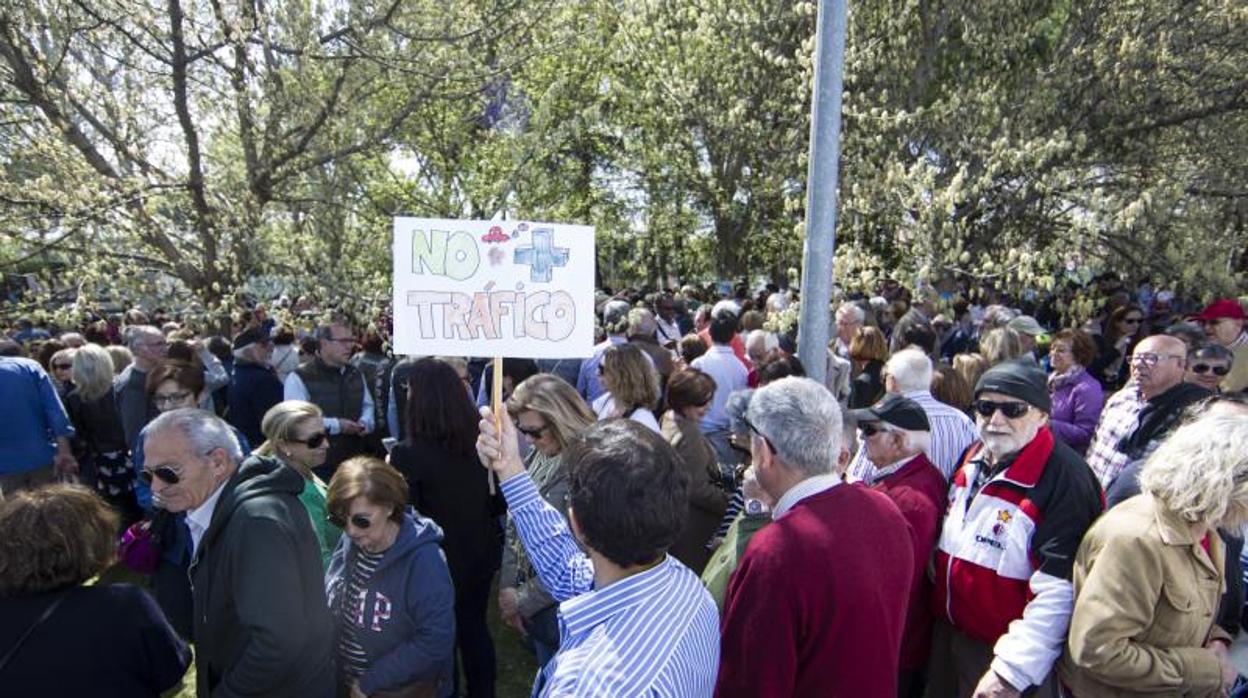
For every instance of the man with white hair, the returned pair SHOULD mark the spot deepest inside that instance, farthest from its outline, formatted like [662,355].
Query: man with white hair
[1018,507]
[262,624]
[909,373]
[850,317]
[817,604]
[895,432]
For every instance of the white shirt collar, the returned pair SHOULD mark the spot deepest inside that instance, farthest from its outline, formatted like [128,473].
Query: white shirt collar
[198,519]
[809,487]
[881,473]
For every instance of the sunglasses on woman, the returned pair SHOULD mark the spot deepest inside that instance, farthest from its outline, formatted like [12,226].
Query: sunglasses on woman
[164,473]
[1011,410]
[360,521]
[1206,368]
[533,433]
[313,441]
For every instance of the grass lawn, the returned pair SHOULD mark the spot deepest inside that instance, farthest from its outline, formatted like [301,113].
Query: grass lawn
[516,664]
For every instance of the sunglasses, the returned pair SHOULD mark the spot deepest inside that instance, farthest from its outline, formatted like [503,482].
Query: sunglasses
[868,430]
[1011,410]
[1131,320]
[532,433]
[1206,368]
[360,521]
[164,473]
[313,441]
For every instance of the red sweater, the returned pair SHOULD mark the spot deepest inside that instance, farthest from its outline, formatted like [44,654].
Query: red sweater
[817,604]
[918,489]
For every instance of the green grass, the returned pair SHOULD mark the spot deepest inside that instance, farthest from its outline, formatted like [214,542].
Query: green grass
[516,664]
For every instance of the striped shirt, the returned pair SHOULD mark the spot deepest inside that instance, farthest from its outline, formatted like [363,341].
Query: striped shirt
[952,432]
[1119,420]
[655,633]
[351,655]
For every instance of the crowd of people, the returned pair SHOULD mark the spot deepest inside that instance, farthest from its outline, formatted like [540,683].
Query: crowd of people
[979,498]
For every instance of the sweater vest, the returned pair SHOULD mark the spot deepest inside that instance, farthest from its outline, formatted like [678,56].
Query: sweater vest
[340,394]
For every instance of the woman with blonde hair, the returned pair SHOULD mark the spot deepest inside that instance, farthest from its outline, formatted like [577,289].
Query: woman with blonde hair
[632,386]
[970,367]
[1149,574]
[99,439]
[294,434]
[59,367]
[550,413]
[1001,344]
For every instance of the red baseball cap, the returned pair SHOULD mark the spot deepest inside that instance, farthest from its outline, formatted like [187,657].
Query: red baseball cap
[1222,308]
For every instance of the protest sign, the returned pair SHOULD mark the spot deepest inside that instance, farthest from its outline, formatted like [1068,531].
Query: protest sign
[493,288]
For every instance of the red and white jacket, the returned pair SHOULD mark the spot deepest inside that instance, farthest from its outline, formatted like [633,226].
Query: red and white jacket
[1005,554]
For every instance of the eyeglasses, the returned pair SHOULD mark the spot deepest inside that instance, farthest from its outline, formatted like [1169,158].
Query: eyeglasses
[348,340]
[62,367]
[760,434]
[1206,368]
[1150,359]
[313,441]
[532,433]
[360,521]
[1132,320]
[1011,410]
[164,473]
[170,399]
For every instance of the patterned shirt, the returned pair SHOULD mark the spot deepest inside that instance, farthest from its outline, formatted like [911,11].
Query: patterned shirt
[351,655]
[1120,419]
[952,432]
[655,633]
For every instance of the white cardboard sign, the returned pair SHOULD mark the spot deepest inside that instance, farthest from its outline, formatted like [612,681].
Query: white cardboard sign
[493,288]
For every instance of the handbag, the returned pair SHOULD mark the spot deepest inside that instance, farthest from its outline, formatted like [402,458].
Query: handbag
[138,549]
[47,613]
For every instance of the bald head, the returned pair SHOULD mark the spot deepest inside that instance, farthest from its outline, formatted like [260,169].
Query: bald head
[1157,364]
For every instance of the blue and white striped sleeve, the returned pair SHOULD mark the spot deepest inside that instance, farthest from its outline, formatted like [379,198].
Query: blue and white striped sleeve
[565,571]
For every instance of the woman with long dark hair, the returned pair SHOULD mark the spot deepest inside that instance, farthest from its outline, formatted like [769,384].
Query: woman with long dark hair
[448,484]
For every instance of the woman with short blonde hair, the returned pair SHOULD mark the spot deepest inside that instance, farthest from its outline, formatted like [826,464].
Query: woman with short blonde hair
[99,438]
[1149,574]
[294,434]
[632,386]
[556,402]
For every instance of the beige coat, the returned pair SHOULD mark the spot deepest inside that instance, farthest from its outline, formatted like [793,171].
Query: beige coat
[1146,598]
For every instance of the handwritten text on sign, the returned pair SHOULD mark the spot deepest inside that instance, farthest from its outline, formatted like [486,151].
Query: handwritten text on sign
[482,288]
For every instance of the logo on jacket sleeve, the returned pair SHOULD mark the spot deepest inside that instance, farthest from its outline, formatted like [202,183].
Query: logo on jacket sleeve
[1004,517]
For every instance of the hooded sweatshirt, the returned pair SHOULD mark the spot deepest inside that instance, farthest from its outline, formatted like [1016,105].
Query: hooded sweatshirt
[406,624]
[262,625]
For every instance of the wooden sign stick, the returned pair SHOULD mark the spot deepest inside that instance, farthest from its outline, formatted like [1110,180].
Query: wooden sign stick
[497,402]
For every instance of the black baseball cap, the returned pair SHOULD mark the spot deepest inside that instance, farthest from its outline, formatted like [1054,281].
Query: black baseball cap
[895,410]
[251,336]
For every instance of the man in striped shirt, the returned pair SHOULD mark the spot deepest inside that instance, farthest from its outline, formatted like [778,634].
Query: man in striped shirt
[909,374]
[633,621]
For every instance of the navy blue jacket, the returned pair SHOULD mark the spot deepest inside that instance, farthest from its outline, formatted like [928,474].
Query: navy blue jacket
[253,390]
[408,627]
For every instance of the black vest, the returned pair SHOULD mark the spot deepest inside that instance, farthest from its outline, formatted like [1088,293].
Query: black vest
[339,393]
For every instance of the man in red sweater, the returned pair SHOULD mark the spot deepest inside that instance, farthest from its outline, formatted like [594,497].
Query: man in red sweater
[818,602]
[895,432]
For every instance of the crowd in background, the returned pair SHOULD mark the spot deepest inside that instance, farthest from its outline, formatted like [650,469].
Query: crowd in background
[983,496]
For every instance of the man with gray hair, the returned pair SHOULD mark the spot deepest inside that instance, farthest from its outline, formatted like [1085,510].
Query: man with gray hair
[615,322]
[909,373]
[149,347]
[850,317]
[818,602]
[261,622]
[331,383]
[641,333]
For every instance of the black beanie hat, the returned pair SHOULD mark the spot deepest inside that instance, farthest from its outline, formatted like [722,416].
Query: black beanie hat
[1018,378]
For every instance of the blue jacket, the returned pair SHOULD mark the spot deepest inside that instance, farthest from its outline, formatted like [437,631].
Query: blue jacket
[253,390]
[409,609]
[31,417]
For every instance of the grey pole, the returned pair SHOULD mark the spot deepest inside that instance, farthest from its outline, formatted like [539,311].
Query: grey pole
[821,186]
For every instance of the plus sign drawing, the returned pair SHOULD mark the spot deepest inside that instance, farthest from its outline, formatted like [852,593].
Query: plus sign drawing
[542,256]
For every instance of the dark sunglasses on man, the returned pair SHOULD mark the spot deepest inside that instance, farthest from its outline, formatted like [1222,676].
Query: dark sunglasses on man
[1206,368]
[164,473]
[1011,410]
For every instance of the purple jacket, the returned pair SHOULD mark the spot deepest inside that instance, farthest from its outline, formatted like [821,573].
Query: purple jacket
[1077,402]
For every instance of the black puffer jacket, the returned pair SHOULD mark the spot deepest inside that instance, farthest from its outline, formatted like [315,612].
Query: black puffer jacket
[262,625]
